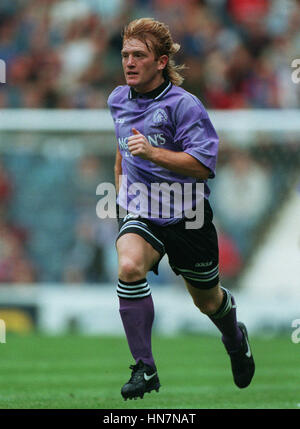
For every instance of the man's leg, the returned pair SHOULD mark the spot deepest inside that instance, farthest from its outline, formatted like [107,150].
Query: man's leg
[219,305]
[136,257]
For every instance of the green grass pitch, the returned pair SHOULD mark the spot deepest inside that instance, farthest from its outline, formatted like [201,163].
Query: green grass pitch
[83,372]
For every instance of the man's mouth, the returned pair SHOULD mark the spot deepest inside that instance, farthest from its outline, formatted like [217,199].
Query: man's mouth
[130,73]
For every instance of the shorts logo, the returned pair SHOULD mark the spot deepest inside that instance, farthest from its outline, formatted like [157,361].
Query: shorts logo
[130,216]
[160,116]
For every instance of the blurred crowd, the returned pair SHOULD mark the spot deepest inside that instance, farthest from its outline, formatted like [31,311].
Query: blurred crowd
[50,232]
[238,52]
[15,265]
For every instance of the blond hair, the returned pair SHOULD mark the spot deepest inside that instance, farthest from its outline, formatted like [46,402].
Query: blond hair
[145,29]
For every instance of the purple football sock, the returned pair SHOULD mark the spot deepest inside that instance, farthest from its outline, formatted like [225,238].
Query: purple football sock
[226,321]
[137,316]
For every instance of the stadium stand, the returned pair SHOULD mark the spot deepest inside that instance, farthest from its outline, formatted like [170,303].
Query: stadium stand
[238,55]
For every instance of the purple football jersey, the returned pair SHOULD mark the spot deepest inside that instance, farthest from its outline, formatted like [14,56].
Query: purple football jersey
[174,120]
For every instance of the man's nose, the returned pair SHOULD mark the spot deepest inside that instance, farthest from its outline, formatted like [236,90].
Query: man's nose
[130,61]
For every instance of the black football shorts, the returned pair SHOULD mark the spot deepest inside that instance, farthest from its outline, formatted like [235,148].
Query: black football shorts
[192,253]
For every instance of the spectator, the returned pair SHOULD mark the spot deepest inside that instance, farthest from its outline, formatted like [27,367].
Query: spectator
[15,265]
[242,195]
[238,54]
[231,260]
[6,186]
[62,56]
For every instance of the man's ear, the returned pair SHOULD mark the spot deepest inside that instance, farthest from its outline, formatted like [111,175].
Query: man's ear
[162,62]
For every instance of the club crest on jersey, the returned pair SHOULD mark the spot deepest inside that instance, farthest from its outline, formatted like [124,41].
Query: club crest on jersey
[159,116]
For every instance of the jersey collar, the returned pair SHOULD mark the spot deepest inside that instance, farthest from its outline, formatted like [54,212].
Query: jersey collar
[155,94]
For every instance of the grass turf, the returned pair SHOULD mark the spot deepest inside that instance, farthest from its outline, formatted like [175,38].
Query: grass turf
[72,371]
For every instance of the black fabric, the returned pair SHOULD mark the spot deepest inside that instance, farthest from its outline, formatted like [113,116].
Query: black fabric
[187,249]
[151,94]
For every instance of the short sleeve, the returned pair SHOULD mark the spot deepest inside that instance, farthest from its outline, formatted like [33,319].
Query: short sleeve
[195,133]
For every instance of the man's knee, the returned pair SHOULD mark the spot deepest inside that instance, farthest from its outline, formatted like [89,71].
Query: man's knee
[207,301]
[207,307]
[130,270]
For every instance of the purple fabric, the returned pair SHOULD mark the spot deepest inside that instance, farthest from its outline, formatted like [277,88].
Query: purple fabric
[137,316]
[227,325]
[175,120]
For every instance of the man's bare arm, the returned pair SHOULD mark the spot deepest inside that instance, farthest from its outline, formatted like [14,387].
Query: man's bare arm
[179,162]
[118,169]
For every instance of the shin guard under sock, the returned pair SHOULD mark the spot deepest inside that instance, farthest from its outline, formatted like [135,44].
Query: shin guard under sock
[226,321]
[137,314]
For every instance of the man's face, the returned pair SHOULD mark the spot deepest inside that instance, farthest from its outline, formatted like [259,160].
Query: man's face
[142,71]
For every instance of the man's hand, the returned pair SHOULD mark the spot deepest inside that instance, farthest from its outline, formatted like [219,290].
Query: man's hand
[178,162]
[138,145]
